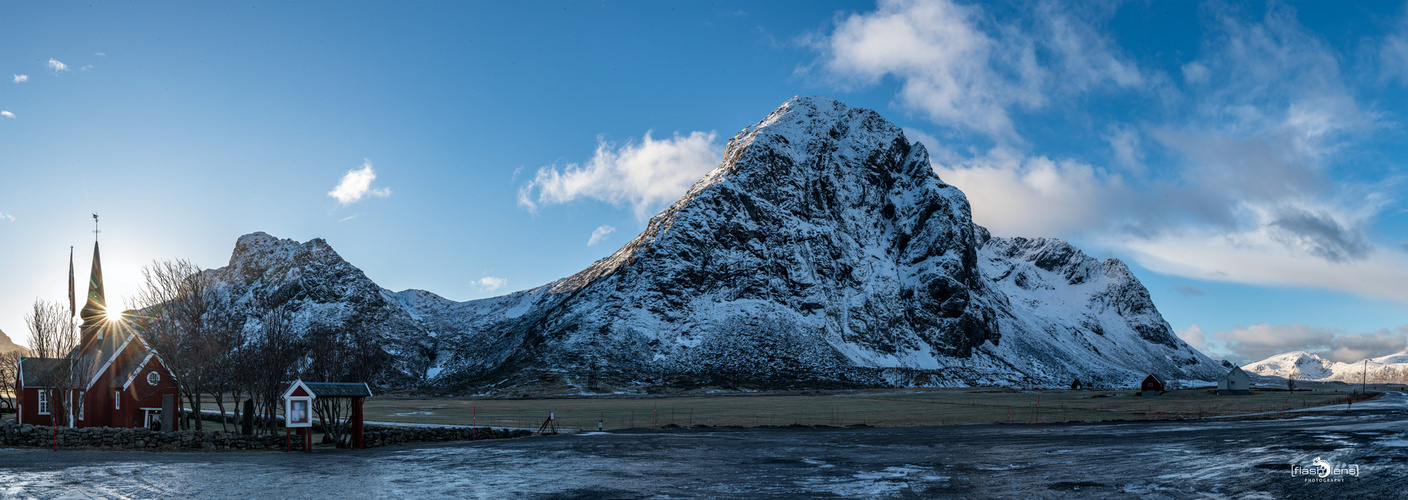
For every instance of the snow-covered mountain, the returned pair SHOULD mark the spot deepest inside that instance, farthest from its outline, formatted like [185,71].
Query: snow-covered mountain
[1302,365]
[823,251]
[318,289]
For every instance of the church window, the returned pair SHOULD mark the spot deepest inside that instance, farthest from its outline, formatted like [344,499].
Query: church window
[153,378]
[43,402]
[117,400]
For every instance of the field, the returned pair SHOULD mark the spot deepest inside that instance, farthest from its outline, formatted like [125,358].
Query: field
[876,408]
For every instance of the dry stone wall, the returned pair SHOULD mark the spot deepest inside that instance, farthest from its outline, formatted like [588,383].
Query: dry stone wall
[12,434]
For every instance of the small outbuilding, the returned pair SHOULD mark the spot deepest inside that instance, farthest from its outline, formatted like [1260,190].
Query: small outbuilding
[298,406]
[1153,385]
[1076,385]
[1235,383]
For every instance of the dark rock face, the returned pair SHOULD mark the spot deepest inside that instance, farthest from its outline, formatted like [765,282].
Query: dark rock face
[321,290]
[823,251]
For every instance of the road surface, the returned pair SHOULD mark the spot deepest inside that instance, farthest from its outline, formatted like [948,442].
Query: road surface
[1189,459]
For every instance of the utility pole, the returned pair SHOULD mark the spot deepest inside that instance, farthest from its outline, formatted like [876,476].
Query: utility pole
[1364,379]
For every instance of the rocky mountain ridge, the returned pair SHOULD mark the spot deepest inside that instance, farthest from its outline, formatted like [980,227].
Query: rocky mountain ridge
[823,251]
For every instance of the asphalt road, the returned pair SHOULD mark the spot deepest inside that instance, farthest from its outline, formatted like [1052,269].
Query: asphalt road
[1190,459]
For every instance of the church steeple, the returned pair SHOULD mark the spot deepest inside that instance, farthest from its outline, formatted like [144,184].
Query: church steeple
[95,311]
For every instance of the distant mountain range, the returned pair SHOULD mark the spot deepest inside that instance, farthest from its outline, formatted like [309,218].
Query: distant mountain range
[1302,365]
[822,252]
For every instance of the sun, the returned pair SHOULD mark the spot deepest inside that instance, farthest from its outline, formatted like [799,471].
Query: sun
[114,315]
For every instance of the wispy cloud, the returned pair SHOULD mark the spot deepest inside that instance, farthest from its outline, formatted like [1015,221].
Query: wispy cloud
[7,114]
[489,283]
[86,67]
[1194,336]
[100,54]
[1187,290]
[56,66]
[21,78]
[963,71]
[1242,191]
[645,175]
[599,233]
[1015,194]
[357,184]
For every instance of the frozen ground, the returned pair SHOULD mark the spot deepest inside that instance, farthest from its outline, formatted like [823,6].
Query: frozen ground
[1192,459]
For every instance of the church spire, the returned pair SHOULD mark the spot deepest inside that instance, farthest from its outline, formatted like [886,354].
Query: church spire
[95,311]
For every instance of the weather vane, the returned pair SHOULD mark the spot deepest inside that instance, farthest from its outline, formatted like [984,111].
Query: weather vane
[95,227]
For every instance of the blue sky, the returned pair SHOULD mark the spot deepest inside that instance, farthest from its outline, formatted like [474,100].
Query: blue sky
[1247,160]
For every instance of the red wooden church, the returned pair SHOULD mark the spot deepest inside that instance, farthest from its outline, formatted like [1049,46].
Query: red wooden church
[115,379]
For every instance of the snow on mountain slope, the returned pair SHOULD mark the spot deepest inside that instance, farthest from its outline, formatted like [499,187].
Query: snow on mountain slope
[822,252]
[316,288]
[1302,365]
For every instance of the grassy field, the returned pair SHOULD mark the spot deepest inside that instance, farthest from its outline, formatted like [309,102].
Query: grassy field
[880,408]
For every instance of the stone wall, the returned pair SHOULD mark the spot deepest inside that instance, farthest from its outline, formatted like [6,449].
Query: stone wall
[383,435]
[12,434]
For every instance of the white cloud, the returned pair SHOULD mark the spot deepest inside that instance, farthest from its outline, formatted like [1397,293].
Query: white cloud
[489,283]
[1259,257]
[86,67]
[7,114]
[21,78]
[1126,147]
[1393,54]
[963,71]
[1194,336]
[357,184]
[100,54]
[56,66]
[599,233]
[1195,73]
[950,69]
[1258,342]
[1013,194]
[646,175]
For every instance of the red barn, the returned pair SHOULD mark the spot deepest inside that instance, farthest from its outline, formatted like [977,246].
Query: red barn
[113,378]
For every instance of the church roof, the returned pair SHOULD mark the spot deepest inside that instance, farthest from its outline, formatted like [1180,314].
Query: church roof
[33,370]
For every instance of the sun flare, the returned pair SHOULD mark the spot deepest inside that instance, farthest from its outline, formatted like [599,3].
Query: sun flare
[114,315]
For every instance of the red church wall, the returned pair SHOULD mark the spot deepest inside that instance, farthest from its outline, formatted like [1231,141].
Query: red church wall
[29,408]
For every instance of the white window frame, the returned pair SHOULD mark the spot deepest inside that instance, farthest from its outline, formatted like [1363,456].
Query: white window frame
[117,400]
[44,408]
[80,405]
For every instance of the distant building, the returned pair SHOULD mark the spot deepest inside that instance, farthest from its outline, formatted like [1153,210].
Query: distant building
[1235,383]
[1153,385]
[115,378]
[1076,385]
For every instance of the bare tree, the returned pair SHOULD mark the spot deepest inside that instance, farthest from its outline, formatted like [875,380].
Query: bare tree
[9,365]
[52,338]
[175,299]
[226,331]
[269,361]
[343,353]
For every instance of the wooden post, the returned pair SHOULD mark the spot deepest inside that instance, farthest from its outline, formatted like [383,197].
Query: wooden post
[358,441]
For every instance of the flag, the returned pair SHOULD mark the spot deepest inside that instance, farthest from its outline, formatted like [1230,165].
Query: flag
[72,306]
